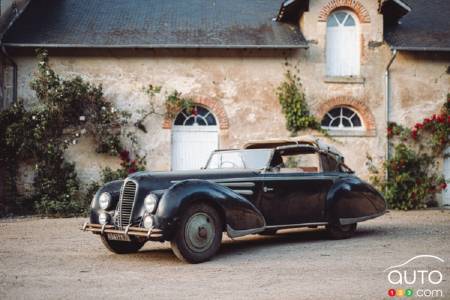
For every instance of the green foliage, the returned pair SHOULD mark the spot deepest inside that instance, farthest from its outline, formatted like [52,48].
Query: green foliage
[412,179]
[176,102]
[66,110]
[294,106]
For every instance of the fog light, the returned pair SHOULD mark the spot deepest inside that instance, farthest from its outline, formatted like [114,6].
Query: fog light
[103,218]
[148,222]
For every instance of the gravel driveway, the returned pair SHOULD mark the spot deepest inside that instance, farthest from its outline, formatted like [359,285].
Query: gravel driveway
[53,259]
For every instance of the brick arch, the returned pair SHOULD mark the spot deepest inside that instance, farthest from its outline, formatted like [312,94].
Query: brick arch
[215,107]
[361,108]
[353,5]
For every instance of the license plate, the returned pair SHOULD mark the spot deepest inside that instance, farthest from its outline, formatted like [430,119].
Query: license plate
[118,237]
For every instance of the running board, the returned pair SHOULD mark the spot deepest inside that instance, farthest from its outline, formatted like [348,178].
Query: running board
[233,233]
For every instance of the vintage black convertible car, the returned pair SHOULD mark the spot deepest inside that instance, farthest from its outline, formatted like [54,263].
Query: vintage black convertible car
[262,188]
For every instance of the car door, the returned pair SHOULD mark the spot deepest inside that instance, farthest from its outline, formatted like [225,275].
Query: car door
[295,194]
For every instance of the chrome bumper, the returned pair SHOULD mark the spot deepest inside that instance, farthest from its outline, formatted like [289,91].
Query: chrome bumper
[152,233]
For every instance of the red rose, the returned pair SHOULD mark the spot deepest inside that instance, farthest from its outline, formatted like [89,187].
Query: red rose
[426,120]
[124,155]
[443,185]
[414,134]
[390,132]
[434,117]
[131,170]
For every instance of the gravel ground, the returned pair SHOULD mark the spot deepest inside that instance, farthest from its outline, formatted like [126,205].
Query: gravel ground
[53,259]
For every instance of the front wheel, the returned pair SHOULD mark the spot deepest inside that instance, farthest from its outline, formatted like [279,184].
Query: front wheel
[338,231]
[122,247]
[198,235]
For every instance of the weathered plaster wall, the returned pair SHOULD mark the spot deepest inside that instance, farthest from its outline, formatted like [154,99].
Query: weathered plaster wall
[244,81]
[420,84]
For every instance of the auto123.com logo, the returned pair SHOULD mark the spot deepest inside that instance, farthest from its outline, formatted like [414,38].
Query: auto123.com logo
[419,276]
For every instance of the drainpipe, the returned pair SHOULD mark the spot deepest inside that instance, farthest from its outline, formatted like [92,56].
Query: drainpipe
[14,65]
[388,96]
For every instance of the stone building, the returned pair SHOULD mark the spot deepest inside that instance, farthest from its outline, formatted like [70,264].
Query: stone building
[361,63]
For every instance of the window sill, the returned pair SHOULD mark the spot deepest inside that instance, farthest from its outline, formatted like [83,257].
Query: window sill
[351,133]
[345,79]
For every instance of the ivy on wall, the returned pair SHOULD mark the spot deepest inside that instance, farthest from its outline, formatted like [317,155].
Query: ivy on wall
[294,106]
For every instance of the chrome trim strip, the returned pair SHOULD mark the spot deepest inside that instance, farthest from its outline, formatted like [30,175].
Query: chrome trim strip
[266,178]
[233,233]
[236,184]
[243,192]
[296,225]
[348,221]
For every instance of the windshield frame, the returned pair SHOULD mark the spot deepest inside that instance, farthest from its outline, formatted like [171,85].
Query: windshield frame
[266,165]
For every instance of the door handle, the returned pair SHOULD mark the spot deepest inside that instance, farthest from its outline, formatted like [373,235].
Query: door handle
[266,189]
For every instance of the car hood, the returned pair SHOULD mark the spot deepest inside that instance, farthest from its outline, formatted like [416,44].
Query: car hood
[163,180]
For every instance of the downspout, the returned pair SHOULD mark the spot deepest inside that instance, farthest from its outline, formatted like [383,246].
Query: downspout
[388,96]
[14,66]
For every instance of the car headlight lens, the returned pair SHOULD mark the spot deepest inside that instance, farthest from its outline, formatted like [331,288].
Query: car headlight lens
[148,222]
[150,203]
[103,218]
[104,200]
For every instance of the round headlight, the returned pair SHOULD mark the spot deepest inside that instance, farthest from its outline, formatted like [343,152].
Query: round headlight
[104,200]
[103,218]
[150,203]
[148,222]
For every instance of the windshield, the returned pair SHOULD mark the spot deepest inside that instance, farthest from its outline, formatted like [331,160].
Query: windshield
[239,159]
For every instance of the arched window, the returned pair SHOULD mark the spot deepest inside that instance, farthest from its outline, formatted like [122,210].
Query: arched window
[342,45]
[341,118]
[195,116]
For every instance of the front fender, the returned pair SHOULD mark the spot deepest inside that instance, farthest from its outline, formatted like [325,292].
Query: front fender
[113,188]
[351,200]
[238,213]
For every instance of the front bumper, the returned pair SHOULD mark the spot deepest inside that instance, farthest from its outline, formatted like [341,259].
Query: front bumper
[150,234]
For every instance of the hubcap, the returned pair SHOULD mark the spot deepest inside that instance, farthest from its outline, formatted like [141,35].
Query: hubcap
[199,232]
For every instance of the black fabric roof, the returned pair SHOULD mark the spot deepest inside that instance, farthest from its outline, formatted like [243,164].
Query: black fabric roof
[425,28]
[153,24]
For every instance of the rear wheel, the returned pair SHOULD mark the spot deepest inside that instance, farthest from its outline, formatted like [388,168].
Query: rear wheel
[122,247]
[338,231]
[198,235]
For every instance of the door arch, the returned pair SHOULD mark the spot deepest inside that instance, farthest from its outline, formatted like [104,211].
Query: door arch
[195,134]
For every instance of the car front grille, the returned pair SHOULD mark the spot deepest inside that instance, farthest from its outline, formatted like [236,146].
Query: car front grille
[126,203]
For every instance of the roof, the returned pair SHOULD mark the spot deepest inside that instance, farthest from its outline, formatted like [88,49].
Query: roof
[425,28]
[153,24]
[307,139]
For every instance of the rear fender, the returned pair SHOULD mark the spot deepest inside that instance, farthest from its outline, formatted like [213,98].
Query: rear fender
[240,215]
[351,200]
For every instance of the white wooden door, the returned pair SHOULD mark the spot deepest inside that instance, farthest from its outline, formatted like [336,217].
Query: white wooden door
[446,192]
[192,146]
[342,45]
[195,135]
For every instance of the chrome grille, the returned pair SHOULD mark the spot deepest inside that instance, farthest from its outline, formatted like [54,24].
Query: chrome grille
[126,203]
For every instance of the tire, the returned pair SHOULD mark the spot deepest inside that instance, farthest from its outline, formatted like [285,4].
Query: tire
[122,247]
[198,235]
[338,231]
